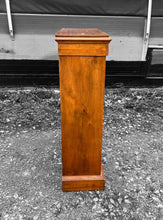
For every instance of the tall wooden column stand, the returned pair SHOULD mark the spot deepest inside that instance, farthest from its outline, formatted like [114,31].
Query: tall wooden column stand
[82,58]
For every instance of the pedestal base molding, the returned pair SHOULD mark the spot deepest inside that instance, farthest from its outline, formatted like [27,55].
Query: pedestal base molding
[77,183]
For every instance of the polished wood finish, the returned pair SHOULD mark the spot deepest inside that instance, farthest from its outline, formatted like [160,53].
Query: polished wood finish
[85,182]
[82,80]
[76,32]
[81,49]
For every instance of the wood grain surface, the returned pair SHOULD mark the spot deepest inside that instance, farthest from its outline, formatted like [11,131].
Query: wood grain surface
[82,32]
[82,80]
[88,49]
[87,182]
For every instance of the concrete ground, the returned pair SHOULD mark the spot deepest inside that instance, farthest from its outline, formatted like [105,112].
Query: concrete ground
[30,157]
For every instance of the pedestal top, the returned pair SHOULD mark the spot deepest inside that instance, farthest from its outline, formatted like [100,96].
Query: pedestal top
[76,32]
[73,35]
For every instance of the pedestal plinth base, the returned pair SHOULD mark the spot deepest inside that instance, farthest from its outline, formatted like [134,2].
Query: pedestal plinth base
[86,182]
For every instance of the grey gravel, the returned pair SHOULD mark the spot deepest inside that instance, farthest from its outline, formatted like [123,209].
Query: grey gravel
[30,157]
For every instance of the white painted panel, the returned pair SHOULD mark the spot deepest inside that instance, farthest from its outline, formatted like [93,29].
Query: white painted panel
[156,36]
[157,57]
[34,35]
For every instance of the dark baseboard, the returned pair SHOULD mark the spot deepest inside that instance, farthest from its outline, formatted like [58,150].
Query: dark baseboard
[29,72]
[46,73]
[125,68]
[155,63]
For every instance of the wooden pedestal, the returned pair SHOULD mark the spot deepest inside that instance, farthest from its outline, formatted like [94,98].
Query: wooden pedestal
[82,54]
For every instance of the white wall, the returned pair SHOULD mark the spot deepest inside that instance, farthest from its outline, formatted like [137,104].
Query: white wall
[34,35]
